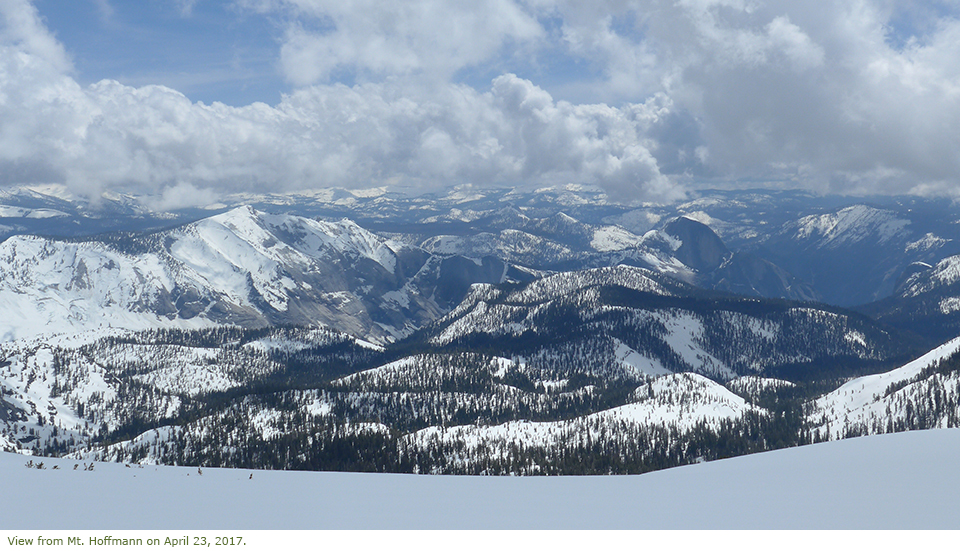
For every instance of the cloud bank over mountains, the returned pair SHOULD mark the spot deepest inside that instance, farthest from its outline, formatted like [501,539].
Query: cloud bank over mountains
[647,99]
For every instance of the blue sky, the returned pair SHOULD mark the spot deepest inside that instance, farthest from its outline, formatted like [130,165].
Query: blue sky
[213,52]
[184,100]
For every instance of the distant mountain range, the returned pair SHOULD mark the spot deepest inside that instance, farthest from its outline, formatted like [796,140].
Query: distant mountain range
[372,331]
[242,267]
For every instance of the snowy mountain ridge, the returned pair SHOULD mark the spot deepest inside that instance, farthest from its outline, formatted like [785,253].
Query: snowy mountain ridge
[664,325]
[850,225]
[945,273]
[477,331]
[913,396]
[242,267]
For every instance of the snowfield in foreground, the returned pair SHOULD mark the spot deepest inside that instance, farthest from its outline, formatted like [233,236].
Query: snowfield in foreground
[905,481]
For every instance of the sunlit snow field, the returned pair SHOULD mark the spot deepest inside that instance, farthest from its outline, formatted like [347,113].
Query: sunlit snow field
[906,480]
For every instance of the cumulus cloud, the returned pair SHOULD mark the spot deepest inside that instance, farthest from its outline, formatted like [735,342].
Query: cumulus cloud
[431,38]
[108,135]
[23,34]
[834,95]
[831,95]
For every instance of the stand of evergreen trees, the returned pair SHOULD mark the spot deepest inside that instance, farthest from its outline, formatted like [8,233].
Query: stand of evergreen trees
[312,401]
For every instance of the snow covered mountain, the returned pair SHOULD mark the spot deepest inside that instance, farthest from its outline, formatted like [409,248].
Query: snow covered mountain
[858,254]
[792,245]
[52,210]
[684,249]
[927,300]
[635,320]
[471,331]
[674,404]
[716,267]
[242,267]
[60,393]
[922,394]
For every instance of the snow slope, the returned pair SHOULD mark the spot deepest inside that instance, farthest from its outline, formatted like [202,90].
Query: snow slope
[242,267]
[944,274]
[681,400]
[900,481]
[49,286]
[718,336]
[866,401]
[851,225]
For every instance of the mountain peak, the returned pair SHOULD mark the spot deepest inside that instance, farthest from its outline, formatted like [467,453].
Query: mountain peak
[701,248]
[243,212]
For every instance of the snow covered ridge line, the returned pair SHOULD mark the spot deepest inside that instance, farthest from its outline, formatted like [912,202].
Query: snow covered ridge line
[560,286]
[796,242]
[654,430]
[681,329]
[61,393]
[243,267]
[666,408]
[567,284]
[851,224]
[945,273]
[555,286]
[922,394]
[559,410]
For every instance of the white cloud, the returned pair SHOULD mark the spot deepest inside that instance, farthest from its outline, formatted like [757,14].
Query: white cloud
[105,9]
[432,37]
[815,91]
[109,135]
[22,33]
[835,95]
[185,7]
